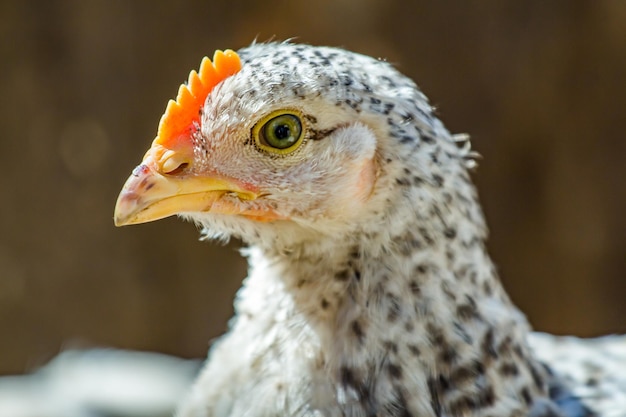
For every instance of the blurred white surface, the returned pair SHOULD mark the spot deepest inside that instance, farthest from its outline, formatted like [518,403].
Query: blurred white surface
[100,383]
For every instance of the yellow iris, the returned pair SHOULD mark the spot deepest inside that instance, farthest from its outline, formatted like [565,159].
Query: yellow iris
[279,132]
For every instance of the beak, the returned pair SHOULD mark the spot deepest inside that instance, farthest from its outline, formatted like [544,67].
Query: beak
[151,194]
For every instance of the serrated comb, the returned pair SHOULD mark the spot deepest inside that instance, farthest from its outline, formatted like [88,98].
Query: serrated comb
[182,115]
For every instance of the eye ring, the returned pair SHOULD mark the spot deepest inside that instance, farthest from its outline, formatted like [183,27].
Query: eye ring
[280,132]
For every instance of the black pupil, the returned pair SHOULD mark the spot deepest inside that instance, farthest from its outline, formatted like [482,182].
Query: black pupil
[282,132]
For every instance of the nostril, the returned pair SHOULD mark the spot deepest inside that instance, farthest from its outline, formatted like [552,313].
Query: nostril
[179,169]
[172,162]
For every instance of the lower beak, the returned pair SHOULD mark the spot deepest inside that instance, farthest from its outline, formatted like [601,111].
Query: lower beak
[148,195]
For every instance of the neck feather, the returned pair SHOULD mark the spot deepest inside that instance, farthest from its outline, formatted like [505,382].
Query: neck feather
[414,308]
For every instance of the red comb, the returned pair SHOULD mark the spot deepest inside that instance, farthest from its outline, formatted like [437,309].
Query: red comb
[180,115]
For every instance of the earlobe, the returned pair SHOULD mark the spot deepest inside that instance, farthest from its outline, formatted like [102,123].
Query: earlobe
[366,179]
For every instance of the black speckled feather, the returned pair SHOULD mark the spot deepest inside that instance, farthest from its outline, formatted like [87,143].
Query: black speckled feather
[370,292]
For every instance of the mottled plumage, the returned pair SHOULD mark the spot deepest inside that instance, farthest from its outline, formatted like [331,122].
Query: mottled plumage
[370,290]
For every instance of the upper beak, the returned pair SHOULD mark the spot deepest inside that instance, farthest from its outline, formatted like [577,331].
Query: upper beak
[150,194]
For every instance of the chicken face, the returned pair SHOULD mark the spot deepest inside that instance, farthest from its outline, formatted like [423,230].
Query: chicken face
[271,141]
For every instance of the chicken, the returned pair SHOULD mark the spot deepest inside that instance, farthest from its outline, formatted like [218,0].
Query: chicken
[370,290]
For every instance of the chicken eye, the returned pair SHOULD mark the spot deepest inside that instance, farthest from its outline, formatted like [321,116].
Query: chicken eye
[280,133]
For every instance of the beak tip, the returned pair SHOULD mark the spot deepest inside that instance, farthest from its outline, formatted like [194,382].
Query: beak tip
[126,210]
[121,219]
[118,222]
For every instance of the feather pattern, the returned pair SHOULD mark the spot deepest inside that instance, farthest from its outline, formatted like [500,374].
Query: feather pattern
[374,294]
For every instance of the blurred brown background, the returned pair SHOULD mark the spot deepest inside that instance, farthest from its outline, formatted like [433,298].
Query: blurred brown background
[539,85]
